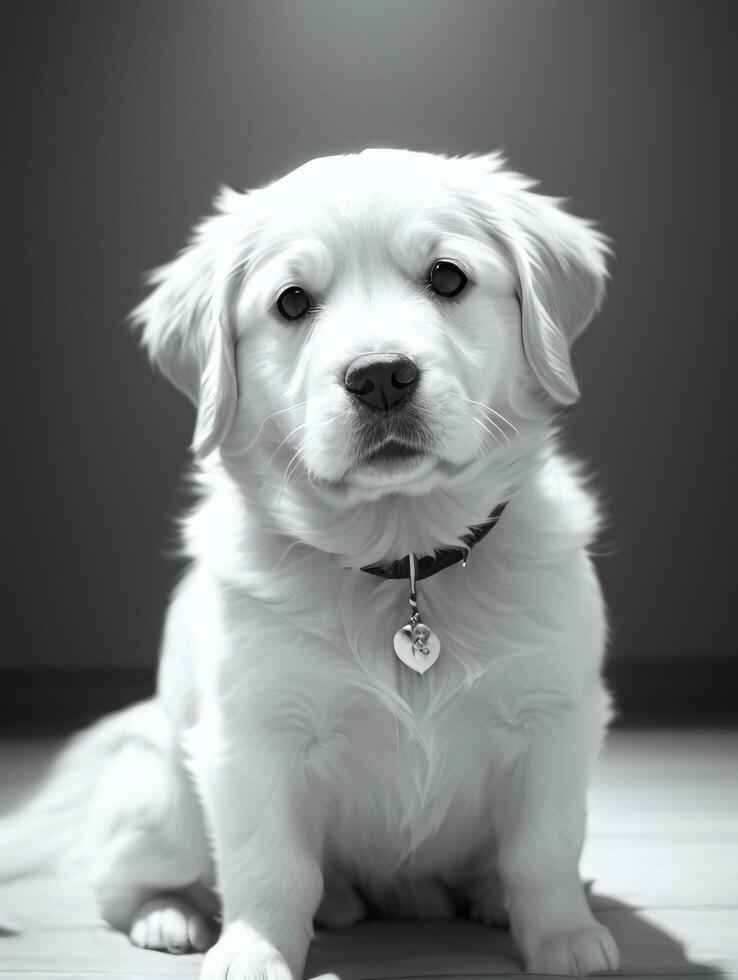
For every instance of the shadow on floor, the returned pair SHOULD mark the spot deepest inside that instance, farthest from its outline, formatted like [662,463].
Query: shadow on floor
[460,948]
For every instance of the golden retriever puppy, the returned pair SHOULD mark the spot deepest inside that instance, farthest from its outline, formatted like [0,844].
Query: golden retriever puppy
[379,690]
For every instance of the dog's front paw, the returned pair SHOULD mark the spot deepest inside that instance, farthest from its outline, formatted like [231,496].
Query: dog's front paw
[257,961]
[172,925]
[575,953]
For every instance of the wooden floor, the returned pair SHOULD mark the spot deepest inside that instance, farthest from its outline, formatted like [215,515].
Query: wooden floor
[662,855]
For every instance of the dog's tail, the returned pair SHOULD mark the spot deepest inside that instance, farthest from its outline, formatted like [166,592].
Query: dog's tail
[48,831]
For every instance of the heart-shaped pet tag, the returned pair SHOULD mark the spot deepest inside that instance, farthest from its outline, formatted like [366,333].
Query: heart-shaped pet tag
[417,646]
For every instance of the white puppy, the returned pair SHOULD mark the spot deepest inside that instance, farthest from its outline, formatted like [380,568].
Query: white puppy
[377,346]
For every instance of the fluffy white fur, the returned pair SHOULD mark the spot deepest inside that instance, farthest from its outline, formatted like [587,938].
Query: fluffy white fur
[289,760]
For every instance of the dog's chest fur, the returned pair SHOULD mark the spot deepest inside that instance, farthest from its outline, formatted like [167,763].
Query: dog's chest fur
[405,764]
[407,767]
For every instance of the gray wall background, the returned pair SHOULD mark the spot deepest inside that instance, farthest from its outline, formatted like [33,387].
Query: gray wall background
[124,117]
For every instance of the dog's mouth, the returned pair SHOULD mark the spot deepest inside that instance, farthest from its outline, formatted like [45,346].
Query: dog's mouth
[395,443]
[408,462]
[394,463]
[392,452]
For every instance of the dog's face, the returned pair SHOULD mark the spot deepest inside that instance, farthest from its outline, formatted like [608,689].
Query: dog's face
[381,311]
[390,316]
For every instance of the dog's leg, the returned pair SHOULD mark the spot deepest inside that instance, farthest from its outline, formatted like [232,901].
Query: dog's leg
[268,839]
[540,824]
[150,848]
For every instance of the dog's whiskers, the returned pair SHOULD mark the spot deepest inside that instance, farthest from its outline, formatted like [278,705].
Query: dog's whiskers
[303,425]
[500,430]
[285,440]
[488,431]
[291,466]
[500,416]
[296,458]
[282,411]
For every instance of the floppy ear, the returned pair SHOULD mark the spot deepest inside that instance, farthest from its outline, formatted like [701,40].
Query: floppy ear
[561,268]
[185,327]
[560,264]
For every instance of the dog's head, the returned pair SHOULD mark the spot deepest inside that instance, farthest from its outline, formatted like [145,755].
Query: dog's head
[387,317]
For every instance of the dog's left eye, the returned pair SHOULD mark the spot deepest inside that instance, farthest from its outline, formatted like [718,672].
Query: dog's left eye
[293,303]
[446,279]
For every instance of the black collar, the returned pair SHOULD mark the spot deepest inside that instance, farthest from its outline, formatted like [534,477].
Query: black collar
[428,565]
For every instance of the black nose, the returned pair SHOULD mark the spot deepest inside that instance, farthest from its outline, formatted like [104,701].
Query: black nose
[381,380]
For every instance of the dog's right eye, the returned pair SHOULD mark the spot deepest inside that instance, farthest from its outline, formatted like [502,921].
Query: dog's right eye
[293,303]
